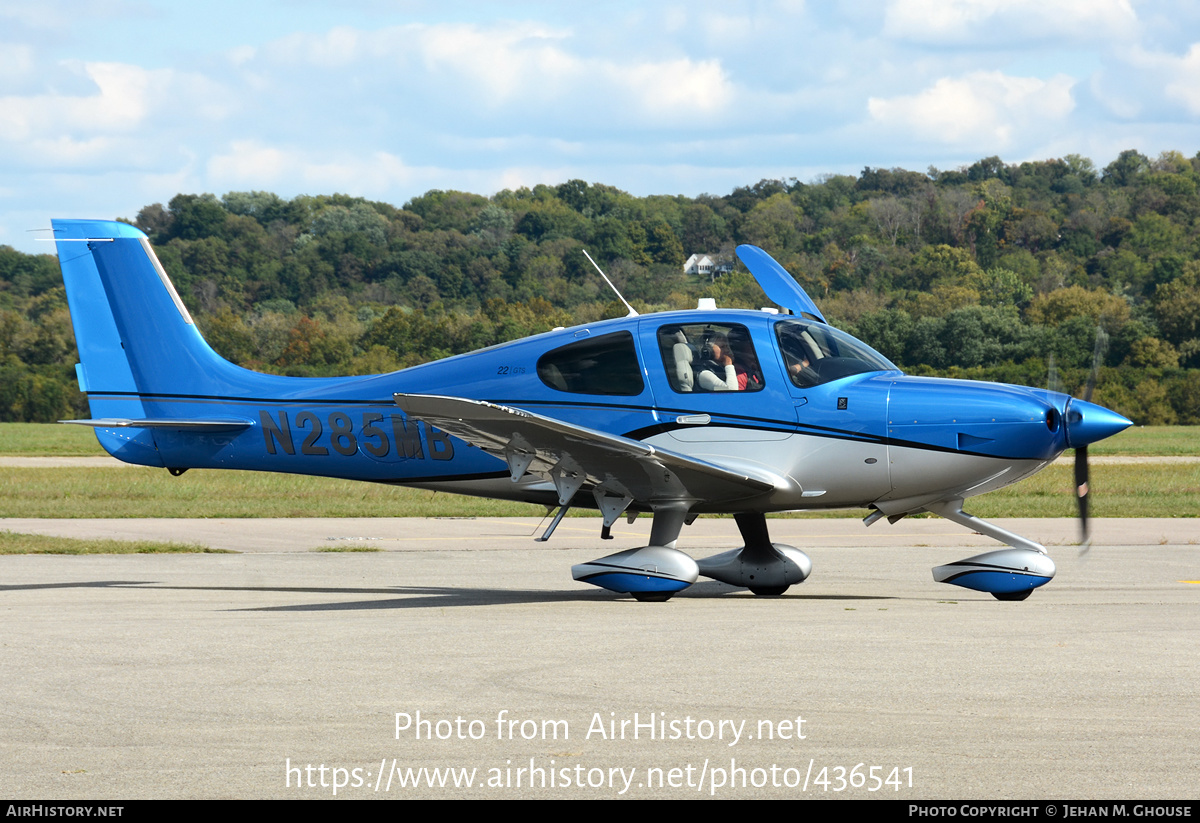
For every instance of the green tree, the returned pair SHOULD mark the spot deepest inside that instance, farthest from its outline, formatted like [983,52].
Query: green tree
[939,264]
[194,216]
[1126,169]
[776,224]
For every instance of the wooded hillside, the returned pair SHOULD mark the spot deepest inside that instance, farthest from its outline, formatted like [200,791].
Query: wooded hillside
[982,272]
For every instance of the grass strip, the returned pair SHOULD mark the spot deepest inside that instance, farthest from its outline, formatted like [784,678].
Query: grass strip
[1151,441]
[48,440]
[143,492]
[347,549]
[56,440]
[1138,490]
[15,543]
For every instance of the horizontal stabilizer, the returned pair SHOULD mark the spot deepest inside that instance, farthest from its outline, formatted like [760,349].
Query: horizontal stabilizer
[210,424]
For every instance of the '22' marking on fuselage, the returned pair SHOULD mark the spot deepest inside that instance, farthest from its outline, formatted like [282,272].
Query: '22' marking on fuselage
[412,439]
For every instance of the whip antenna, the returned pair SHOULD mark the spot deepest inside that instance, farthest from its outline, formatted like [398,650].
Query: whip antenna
[632,312]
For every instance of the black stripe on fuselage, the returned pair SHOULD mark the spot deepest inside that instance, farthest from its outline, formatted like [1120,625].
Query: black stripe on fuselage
[747,422]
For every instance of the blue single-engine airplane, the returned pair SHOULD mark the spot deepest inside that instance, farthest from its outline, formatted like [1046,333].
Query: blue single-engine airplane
[677,414]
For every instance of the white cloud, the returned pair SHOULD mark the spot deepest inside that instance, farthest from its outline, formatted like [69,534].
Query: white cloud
[1001,21]
[119,105]
[1146,84]
[66,152]
[1178,77]
[1185,84]
[722,27]
[248,164]
[507,65]
[128,102]
[502,63]
[241,54]
[125,99]
[337,47]
[674,89]
[16,60]
[986,108]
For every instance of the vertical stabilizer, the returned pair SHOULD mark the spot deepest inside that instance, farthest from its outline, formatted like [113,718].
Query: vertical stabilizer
[103,369]
[125,308]
[137,342]
[103,366]
[134,333]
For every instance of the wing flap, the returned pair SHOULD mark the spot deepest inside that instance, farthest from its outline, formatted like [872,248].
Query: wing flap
[571,455]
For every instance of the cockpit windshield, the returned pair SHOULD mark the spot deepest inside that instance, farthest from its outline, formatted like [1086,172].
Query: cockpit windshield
[814,353]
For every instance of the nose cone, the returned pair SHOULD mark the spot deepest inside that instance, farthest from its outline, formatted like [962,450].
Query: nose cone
[1088,423]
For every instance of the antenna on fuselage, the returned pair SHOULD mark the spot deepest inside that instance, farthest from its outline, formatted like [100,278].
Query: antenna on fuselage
[632,312]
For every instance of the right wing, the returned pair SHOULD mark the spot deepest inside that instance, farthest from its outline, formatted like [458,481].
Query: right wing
[615,467]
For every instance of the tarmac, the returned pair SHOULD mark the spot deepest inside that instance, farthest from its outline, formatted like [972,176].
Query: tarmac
[462,652]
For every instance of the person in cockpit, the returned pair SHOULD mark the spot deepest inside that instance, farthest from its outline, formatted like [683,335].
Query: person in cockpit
[726,372]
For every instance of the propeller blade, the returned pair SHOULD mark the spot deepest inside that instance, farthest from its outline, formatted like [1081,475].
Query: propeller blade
[1052,381]
[1081,497]
[1097,358]
[1081,461]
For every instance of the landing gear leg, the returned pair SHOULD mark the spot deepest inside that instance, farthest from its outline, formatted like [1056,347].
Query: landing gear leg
[666,526]
[1008,574]
[753,527]
[765,568]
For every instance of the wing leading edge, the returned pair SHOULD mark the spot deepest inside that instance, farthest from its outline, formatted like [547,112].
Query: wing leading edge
[618,469]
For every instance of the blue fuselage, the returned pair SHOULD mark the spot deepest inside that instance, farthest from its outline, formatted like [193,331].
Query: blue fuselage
[855,431]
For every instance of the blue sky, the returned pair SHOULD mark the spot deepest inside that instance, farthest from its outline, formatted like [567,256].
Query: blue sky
[109,105]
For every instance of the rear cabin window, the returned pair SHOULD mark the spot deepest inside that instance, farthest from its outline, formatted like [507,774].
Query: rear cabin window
[709,357]
[601,365]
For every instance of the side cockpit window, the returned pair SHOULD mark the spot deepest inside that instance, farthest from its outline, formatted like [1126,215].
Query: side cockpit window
[601,365]
[814,353]
[709,357]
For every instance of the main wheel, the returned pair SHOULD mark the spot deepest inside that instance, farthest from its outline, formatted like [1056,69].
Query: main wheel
[1012,595]
[652,597]
[769,591]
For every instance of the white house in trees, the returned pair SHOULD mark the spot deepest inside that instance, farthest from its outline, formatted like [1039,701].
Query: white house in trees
[699,264]
[706,265]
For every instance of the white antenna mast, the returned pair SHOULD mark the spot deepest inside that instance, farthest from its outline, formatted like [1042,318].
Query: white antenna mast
[632,313]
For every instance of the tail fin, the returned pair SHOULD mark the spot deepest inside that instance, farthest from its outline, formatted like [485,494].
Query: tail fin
[137,342]
[133,332]
[101,354]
